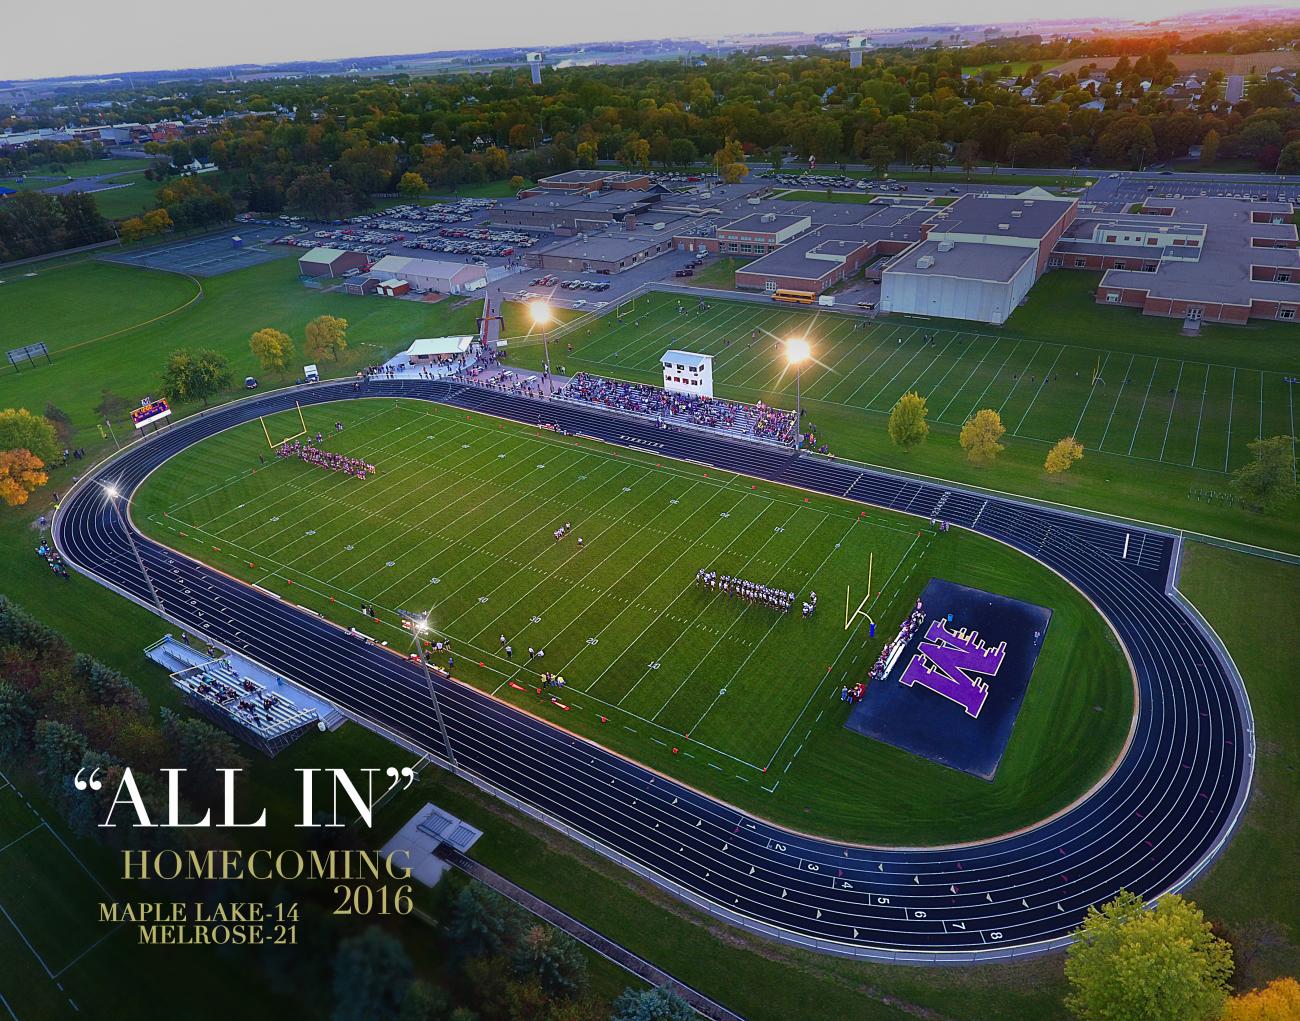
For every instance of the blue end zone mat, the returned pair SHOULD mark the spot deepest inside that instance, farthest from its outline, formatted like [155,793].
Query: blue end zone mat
[955,677]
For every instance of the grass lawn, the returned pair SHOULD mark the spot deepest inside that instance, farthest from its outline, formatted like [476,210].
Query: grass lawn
[1152,453]
[622,620]
[1018,67]
[139,196]
[717,272]
[827,196]
[90,168]
[485,190]
[89,300]
[1256,883]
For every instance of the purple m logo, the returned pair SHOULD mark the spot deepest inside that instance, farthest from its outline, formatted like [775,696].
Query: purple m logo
[955,657]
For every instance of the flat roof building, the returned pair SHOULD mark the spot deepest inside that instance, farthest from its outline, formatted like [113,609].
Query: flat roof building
[611,252]
[580,181]
[978,257]
[1200,259]
[822,255]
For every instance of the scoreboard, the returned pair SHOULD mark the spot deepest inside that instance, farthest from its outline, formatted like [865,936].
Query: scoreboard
[150,411]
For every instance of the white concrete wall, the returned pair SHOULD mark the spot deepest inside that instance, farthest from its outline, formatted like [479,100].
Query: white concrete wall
[924,292]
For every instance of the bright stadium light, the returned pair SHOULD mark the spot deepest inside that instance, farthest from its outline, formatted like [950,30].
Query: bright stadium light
[111,492]
[419,623]
[797,350]
[542,317]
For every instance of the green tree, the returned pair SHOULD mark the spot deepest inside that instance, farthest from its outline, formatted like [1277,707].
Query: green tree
[682,152]
[423,1002]
[21,430]
[1164,964]
[412,184]
[660,1004]
[968,155]
[327,338]
[483,923]
[1288,161]
[553,958]
[980,436]
[1210,147]
[907,425]
[371,975]
[17,718]
[587,155]
[930,155]
[1267,481]
[201,749]
[880,157]
[195,376]
[272,349]
[776,156]
[1062,456]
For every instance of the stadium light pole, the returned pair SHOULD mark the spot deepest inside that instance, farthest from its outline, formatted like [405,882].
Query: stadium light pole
[419,628]
[797,352]
[114,495]
[542,317]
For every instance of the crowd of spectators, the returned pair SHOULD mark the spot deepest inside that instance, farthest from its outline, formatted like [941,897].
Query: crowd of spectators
[666,406]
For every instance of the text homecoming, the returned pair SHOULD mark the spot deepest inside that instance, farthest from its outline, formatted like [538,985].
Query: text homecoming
[264,863]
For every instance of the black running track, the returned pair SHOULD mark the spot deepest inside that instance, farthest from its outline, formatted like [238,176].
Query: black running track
[1166,810]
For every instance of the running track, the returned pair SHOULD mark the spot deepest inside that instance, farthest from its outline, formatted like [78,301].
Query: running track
[1167,809]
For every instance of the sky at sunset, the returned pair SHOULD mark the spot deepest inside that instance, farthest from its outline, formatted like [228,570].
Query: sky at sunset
[75,37]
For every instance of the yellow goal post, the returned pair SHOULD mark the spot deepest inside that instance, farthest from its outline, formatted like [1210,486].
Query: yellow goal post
[302,432]
[851,615]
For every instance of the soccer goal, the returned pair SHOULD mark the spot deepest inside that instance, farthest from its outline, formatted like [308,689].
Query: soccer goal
[851,615]
[277,443]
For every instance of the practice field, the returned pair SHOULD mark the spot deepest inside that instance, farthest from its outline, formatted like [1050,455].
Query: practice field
[1193,412]
[461,517]
[48,916]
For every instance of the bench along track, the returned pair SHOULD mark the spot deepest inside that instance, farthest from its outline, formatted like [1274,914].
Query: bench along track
[1160,817]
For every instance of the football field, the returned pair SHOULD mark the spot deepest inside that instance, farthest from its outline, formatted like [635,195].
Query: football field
[1196,412]
[460,520]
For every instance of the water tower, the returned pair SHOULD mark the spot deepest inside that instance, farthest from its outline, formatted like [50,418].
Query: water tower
[535,65]
[857,43]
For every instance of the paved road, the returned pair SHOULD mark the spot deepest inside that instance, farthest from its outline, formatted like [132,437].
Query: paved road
[1166,810]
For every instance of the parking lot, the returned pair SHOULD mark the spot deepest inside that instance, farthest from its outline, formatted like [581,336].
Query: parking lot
[210,255]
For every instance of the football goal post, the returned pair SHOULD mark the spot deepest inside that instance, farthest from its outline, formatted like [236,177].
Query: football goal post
[302,421]
[851,615]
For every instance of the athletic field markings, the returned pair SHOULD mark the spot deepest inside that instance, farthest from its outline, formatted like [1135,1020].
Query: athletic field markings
[1231,401]
[996,376]
[1033,400]
[969,375]
[852,635]
[737,618]
[1118,395]
[1092,390]
[735,675]
[1200,414]
[1155,366]
[1172,405]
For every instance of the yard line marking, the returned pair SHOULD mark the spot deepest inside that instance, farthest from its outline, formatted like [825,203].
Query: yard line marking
[1118,394]
[980,399]
[23,936]
[735,675]
[1261,405]
[879,333]
[1290,402]
[1142,410]
[969,375]
[1200,414]
[849,639]
[912,386]
[1232,397]
[738,617]
[1172,404]
[904,341]
[1092,390]
[1034,399]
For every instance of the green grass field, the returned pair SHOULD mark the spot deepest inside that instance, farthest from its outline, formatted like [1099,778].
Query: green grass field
[102,323]
[651,660]
[1165,410]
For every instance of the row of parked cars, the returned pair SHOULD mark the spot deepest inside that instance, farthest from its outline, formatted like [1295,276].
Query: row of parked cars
[461,246]
[507,237]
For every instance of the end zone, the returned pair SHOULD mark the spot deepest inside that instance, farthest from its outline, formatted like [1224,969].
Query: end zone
[955,678]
